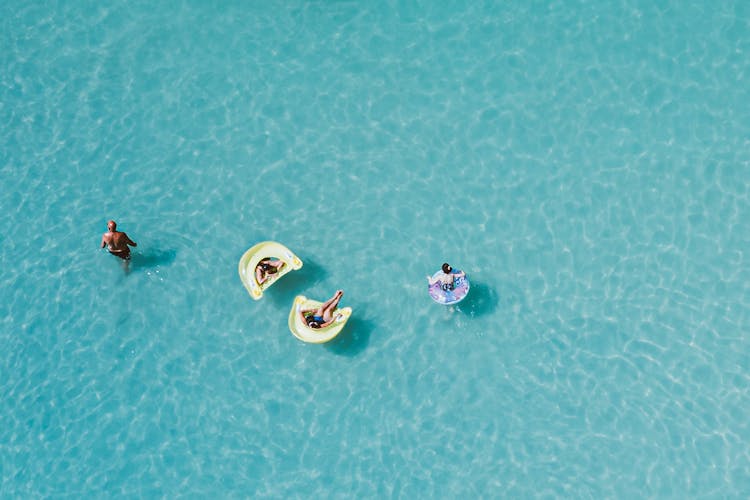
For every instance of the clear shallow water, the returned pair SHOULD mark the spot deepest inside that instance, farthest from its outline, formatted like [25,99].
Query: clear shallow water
[585,163]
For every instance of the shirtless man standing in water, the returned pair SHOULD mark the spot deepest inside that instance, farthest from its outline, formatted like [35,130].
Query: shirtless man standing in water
[117,242]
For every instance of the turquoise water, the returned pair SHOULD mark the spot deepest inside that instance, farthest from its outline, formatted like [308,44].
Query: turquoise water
[586,163]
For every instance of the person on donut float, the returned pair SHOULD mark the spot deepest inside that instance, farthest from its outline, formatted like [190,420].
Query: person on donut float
[446,279]
[323,315]
[266,267]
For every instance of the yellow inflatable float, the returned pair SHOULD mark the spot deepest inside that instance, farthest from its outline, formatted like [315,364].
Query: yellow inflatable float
[315,335]
[265,250]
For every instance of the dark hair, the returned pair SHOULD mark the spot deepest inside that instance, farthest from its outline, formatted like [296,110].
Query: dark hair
[312,323]
[447,268]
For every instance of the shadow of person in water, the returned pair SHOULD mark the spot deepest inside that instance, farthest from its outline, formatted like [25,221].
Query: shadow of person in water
[354,338]
[152,258]
[482,300]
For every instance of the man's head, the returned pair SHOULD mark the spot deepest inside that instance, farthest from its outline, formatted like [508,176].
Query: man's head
[111,225]
[447,268]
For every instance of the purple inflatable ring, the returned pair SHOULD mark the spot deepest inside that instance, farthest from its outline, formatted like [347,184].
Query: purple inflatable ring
[460,289]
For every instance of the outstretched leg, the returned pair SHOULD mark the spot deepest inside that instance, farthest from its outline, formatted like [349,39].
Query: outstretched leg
[325,311]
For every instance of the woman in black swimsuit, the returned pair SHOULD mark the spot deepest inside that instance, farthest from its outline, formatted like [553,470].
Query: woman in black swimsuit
[323,315]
